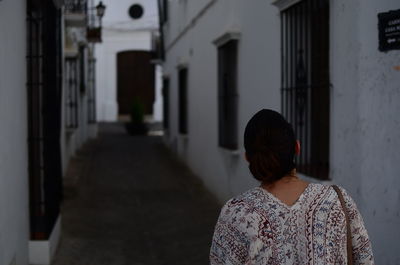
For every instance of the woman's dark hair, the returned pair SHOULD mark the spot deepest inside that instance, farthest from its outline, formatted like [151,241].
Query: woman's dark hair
[270,143]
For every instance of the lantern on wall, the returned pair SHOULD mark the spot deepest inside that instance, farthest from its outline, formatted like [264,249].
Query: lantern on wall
[93,33]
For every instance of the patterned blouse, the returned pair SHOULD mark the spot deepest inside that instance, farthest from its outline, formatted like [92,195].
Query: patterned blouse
[257,228]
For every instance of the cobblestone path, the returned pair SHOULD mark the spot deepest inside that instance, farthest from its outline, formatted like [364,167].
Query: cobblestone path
[128,201]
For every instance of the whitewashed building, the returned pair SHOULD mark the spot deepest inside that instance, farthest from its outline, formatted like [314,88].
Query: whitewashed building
[321,64]
[82,34]
[14,200]
[39,91]
[126,70]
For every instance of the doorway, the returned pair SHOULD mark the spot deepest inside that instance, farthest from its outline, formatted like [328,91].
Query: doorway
[135,81]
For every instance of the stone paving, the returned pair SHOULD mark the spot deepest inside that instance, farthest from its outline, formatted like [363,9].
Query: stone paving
[128,201]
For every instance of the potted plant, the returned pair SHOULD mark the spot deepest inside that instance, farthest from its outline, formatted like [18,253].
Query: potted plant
[137,126]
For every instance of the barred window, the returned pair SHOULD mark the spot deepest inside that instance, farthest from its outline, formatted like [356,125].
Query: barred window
[82,69]
[44,84]
[76,6]
[71,93]
[91,96]
[183,100]
[166,102]
[305,82]
[228,95]
[35,88]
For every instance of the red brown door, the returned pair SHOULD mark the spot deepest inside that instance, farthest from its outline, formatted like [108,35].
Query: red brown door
[135,81]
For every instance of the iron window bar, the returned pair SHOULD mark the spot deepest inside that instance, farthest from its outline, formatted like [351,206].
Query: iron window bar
[92,91]
[183,100]
[43,87]
[305,82]
[71,97]
[76,6]
[35,133]
[166,96]
[228,95]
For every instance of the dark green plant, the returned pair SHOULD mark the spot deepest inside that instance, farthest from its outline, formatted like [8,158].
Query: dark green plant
[137,112]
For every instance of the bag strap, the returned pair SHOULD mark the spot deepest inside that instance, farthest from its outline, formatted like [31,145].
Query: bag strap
[346,213]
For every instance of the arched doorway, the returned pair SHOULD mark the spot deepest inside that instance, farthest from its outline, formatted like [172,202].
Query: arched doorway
[135,81]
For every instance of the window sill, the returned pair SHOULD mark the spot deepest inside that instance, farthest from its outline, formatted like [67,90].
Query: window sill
[182,63]
[314,180]
[284,4]
[165,24]
[183,137]
[70,131]
[230,152]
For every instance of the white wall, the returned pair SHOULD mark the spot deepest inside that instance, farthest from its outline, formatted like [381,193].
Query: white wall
[72,141]
[14,219]
[117,17]
[365,120]
[225,173]
[122,33]
[106,68]
[365,98]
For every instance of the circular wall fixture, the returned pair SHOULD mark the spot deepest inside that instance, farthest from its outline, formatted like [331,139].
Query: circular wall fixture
[136,11]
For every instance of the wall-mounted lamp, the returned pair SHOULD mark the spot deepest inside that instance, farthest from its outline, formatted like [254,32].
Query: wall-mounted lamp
[93,32]
[100,9]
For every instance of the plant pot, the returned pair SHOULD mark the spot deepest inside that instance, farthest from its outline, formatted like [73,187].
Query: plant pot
[136,128]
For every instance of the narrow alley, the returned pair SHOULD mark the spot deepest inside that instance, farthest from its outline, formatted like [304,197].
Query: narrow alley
[127,200]
[78,77]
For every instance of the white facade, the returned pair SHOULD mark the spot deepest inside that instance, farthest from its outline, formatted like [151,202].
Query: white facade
[365,96]
[15,244]
[365,121]
[13,158]
[41,252]
[122,33]
[72,140]
[14,214]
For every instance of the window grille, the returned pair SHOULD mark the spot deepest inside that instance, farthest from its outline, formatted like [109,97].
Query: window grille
[166,103]
[35,118]
[44,115]
[92,91]
[305,82]
[76,6]
[82,69]
[71,94]
[228,95]
[183,100]
[93,20]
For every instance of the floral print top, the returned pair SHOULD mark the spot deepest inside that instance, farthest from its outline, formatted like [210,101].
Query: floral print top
[257,228]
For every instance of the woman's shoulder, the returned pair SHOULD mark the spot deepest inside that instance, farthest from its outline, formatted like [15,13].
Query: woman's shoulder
[256,201]
[331,189]
[247,198]
[243,213]
[324,194]
[243,204]
[327,188]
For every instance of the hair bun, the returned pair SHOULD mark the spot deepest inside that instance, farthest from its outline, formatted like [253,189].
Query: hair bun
[270,146]
[265,166]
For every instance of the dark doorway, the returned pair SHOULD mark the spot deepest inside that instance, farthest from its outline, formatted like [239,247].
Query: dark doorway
[135,81]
